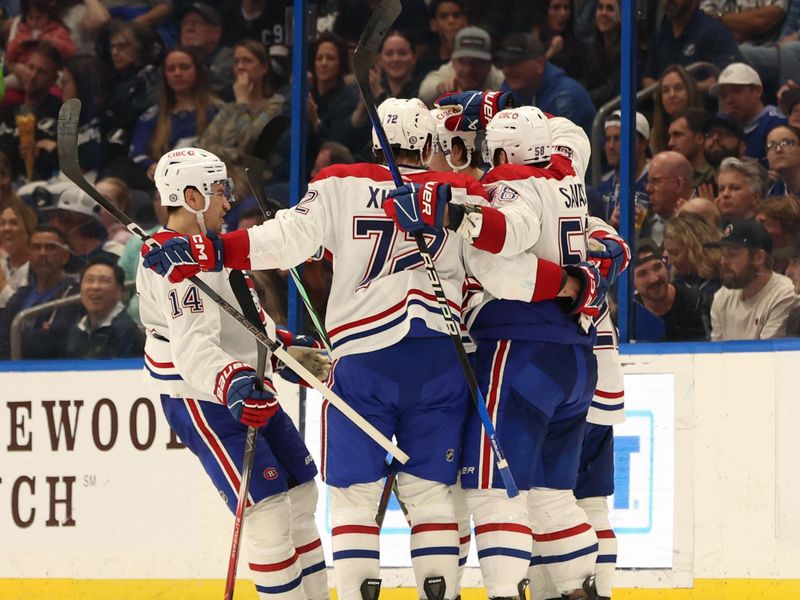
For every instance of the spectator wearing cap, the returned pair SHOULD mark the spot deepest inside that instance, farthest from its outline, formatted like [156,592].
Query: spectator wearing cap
[608,190]
[77,216]
[201,28]
[42,336]
[470,68]
[663,311]
[446,19]
[750,21]
[17,222]
[687,36]
[753,302]
[686,137]
[783,156]
[105,330]
[669,184]
[28,131]
[781,218]
[741,188]
[260,20]
[536,82]
[739,90]
[724,138]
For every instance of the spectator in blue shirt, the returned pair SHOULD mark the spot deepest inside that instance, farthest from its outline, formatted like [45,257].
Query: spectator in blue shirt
[739,89]
[783,155]
[688,36]
[536,82]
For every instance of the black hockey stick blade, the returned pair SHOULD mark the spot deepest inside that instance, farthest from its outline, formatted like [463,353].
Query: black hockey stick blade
[270,135]
[381,20]
[67,143]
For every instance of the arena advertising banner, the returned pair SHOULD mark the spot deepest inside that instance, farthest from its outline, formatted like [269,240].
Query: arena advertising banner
[93,484]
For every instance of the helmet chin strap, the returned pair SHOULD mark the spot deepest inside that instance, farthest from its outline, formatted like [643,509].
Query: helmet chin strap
[199,214]
[458,167]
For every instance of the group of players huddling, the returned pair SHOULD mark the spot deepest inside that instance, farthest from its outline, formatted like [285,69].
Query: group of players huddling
[524,268]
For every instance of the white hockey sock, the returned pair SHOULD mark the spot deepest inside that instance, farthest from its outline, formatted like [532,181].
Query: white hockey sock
[273,560]
[597,511]
[305,537]
[464,533]
[434,532]
[356,548]
[564,542]
[503,539]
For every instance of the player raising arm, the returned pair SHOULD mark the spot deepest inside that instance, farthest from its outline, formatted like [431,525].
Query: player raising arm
[200,362]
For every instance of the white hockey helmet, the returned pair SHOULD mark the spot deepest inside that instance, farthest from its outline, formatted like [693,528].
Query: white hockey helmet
[570,140]
[190,167]
[444,137]
[407,124]
[523,133]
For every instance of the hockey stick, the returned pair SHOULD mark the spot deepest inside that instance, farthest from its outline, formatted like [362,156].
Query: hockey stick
[263,147]
[68,162]
[368,45]
[243,296]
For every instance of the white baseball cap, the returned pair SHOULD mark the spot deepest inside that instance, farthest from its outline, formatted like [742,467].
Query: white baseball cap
[736,74]
[76,200]
[642,126]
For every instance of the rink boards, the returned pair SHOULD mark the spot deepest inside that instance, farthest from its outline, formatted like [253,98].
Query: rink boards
[93,486]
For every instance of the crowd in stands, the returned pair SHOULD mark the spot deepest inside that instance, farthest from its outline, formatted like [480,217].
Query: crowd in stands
[716,199]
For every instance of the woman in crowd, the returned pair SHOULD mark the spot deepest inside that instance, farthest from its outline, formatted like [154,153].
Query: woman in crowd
[84,77]
[17,222]
[780,216]
[185,107]
[676,90]
[741,188]
[555,27]
[601,77]
[234,127]
[132,53]
[330,101]
[691,264]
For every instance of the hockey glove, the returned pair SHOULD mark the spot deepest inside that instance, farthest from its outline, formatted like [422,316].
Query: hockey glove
[610,254]
[181,257]
[477,108]
[414,207]
[236,387]
[308,352]
[593,289]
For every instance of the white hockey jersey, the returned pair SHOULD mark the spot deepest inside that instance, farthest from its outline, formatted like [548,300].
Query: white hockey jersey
[190,339]
[379,283]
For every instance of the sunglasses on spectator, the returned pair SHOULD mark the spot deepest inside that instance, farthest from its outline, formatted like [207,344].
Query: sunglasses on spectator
[782,144]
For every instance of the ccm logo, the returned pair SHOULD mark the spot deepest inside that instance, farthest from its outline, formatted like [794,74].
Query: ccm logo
[199,246]
[427,198]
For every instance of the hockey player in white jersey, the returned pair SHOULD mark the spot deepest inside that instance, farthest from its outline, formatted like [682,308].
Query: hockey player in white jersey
[394,362]
[201,363]
[534,361]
